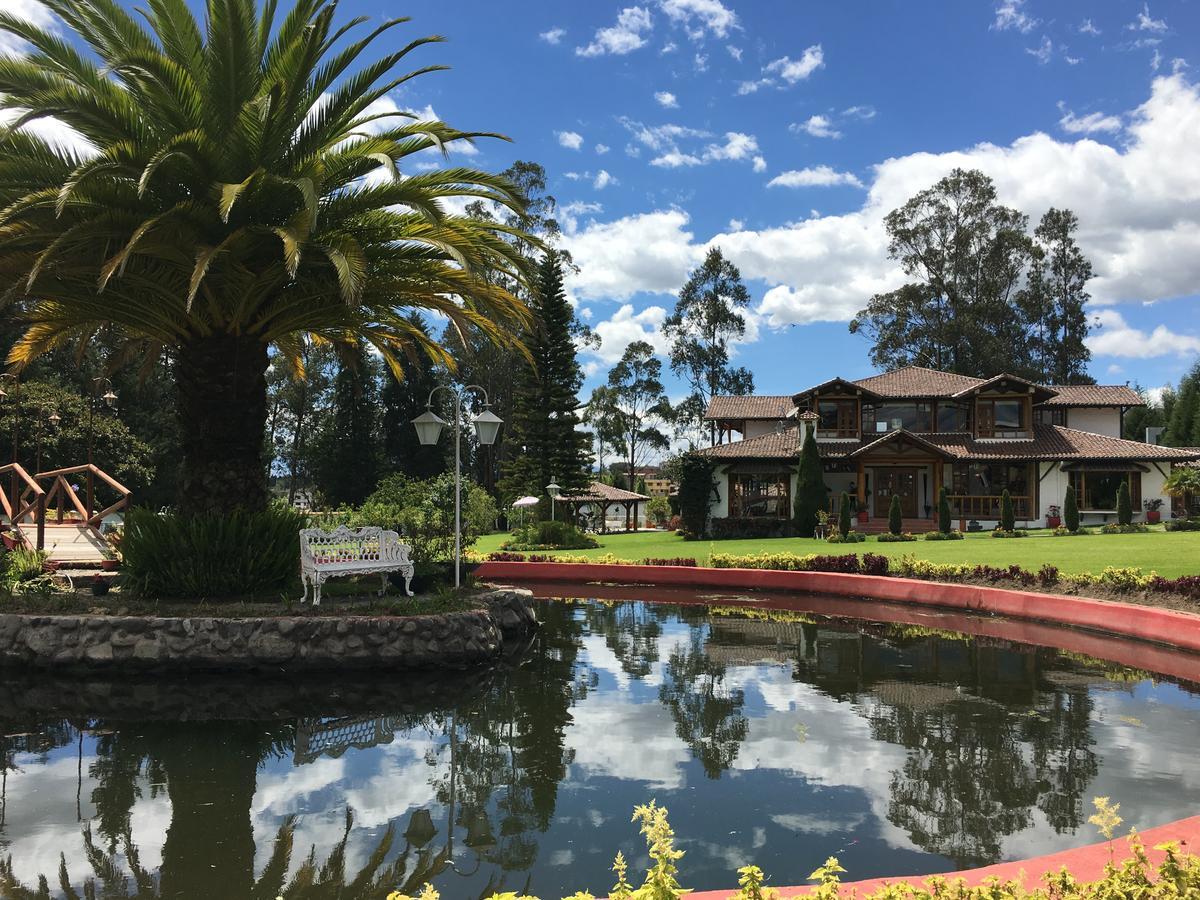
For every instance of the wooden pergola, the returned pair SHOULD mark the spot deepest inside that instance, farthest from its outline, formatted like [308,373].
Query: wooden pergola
[602,496]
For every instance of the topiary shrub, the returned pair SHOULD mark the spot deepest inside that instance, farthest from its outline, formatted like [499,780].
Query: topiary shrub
[844,515]
[212,556]
[1070,511]
[810,486]
[1008,520]
[695,472]
[944,525]
[895,516]
[1124,505]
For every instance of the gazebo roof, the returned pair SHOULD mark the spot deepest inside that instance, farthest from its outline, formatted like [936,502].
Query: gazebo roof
[598,490]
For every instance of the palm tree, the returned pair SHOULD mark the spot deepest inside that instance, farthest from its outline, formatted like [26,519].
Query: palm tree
[242,194]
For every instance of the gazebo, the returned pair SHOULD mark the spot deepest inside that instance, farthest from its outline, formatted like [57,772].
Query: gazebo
[602,496]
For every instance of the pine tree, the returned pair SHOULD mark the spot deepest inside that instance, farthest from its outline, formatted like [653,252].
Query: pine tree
[944,523]
[1070,510]
[1008,520]
[402,400]
[810,486]
[1065,273]
[348,468]
[895,516]
[544,433]
[1183,423]
[844,527]
[1124,505]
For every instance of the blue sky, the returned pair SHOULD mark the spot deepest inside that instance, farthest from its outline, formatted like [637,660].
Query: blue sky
[663,124]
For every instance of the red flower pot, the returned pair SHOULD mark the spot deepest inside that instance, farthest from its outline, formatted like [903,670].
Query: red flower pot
[1053,521]
[1153,515]
[863,517]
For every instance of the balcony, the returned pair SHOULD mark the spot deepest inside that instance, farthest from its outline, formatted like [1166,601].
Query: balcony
[836,434]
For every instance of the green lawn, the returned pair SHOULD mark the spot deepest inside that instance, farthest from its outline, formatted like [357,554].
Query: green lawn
[1171,555]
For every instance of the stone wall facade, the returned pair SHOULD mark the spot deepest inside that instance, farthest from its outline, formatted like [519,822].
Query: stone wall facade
[282,643]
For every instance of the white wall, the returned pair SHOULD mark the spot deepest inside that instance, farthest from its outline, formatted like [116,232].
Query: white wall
[756,427]
[720,509]
[1054,490]
[1097,420]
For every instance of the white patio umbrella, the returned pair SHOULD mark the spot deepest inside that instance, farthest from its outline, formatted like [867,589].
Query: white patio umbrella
[525,501]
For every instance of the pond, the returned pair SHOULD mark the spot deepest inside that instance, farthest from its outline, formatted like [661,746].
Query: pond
[779,737]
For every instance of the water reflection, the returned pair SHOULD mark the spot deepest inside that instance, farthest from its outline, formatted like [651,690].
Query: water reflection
[780,738]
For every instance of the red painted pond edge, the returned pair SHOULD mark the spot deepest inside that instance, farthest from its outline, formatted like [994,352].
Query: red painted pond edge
[1164,627]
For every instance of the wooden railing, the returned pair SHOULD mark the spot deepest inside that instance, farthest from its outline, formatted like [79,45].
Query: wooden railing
[61,495]
[836,434]
[987,506]
[21,496]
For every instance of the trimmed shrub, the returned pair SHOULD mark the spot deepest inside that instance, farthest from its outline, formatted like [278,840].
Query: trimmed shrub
[1012,533]
[1063,531]
[752,527]
[549,535]
[891,538]
[1181,525]
[212,556]
[695,490]
[1127,528]
[844,525]
[658,511]
[1008,521]
[944,525]
[1124,505]
[943,536]
[1070,511]
[850,537]
[811,495]
[687,561]
[895,516]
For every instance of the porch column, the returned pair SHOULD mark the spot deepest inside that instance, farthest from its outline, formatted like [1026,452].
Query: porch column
[862,488]
[938,467]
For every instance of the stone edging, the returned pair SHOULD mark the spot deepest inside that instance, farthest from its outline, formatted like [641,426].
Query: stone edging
[282,643]
[1146,623]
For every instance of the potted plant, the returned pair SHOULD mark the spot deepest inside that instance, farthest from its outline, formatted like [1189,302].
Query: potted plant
[1153,509]
[1053,517]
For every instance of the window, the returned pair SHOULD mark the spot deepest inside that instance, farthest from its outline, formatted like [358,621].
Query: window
[880,418]
[760,495]
[1097,490]
[1055,415]
[837,418]
[1001,418]
[977,488]
[953,416]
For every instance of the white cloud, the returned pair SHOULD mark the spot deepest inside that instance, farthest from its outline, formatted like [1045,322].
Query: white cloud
[793,70]
[627,326]
[1146,22]
[603,180]
[31,11]
[814,176]
[817,126]
[737,146]
[699,17]
[572,140]
[1043,52]
[700,61]
[1138,206]
[668,47]
[735,52]
[569,213]
[1092,122]
[601,149]
[859,112]
[760,164]
[1115,337]
[1155,60]
[1088,27]
[553,36]
[736,224]
[666,100]
[627,35]
[1010,14]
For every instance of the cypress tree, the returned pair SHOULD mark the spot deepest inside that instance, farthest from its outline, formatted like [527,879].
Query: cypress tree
[1124,505]
[1008,520]
[348,469]
[895,516]
[544,431]
[844,515]
[401,402]
[943,511]
[810,486]
[1070,510]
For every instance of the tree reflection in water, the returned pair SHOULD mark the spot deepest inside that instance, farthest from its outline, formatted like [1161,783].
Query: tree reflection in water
[990,733]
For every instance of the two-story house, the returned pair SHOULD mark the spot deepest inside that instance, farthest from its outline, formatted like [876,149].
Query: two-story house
[911,431]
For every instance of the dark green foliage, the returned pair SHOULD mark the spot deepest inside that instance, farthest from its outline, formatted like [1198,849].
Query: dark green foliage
[211,555]
[549,535]
[544,435]
[348,450]
[1008,520]
[1053,301]
[844,525]
[895,516]
[403,401]
[944,523]
[1124,506]
[810,487]
[630,411]
[694,473]
[1070,510]
[1183,418]
[707,317]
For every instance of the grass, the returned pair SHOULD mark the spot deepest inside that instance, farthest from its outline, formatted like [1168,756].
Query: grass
[1170,554]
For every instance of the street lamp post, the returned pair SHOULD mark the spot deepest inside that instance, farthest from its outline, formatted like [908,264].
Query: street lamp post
[429,427]
[52,419]
[110,400]
[553,490]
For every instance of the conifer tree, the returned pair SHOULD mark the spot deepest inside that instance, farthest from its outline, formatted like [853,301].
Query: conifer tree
[1070,510]
[810,486]
[1008,521]
[348,467]
[844,515]
[1124,505]
[544,433]
[895,516]
[944,523]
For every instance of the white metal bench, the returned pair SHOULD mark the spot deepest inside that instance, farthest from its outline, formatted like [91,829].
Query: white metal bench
[346,551]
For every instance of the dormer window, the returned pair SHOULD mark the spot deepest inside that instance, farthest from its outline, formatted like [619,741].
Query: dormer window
[838,419]
[1003,417]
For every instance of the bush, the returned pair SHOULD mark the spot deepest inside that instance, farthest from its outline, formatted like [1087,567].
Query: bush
[1126,528]
[212,556]
[944,525]
[850,537]
[23,564]
[752,527]
[811,495]
[695,472]
[1010,533]
[889,537]
[1181,525]
[1008,521]
[658,511]
[686,561]
[895,516]
[943,536]
[1064,531]
[1071,511]
[1124,505]
[549,535]
[675,523]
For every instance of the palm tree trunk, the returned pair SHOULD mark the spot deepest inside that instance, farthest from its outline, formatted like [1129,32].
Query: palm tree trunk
[222,416]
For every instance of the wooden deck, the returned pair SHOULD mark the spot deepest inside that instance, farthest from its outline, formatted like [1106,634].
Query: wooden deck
[71,542]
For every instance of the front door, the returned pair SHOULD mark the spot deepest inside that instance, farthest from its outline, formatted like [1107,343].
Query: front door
[896,482]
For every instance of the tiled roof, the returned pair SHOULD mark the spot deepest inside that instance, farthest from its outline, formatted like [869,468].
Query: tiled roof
[1049,442]
[1192,463]
[917,381]
[1093,395]
[758,407]
[776,445]
[601,491]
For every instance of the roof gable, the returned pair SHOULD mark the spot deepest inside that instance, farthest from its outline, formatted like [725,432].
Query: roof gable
[917,381]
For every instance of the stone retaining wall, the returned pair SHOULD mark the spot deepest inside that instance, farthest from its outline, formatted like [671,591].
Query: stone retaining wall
[282,643]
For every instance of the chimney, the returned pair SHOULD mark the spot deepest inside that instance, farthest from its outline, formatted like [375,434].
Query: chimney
[808,419]
[1154,434]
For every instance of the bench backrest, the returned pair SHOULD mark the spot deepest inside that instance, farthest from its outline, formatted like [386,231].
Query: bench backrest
[350,545]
